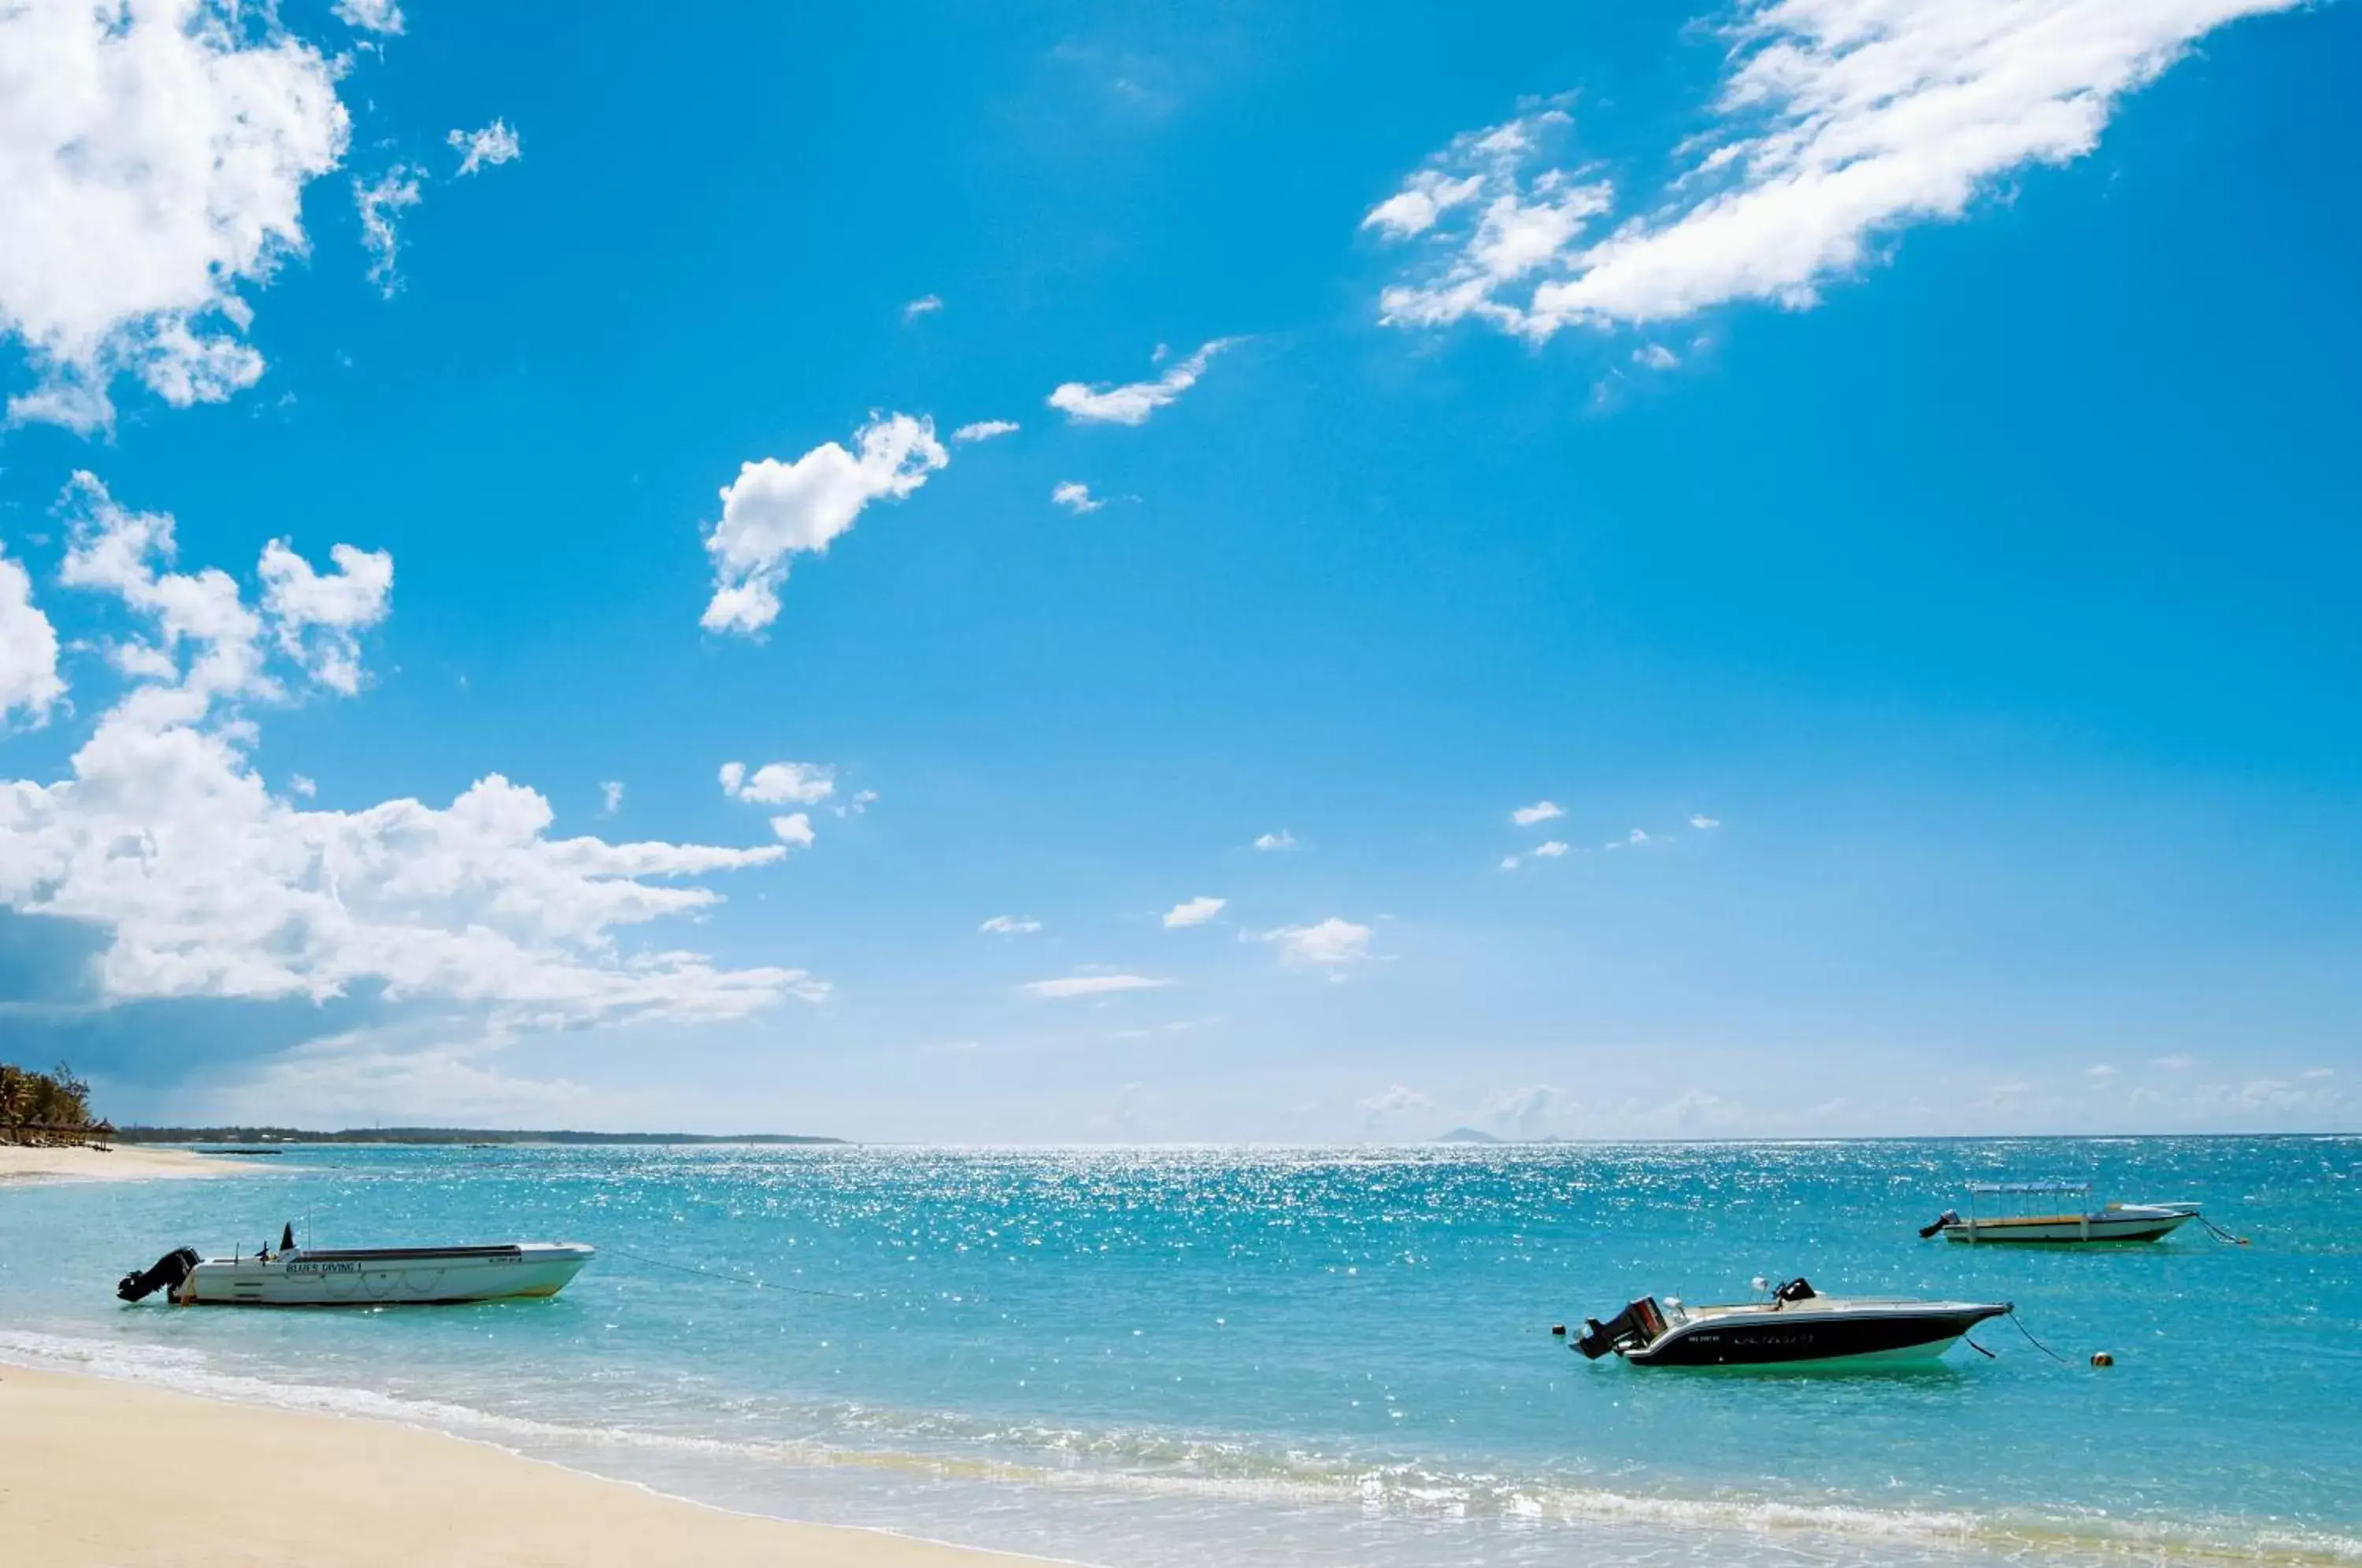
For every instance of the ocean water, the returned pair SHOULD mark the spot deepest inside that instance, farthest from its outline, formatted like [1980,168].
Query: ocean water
[1157,1357]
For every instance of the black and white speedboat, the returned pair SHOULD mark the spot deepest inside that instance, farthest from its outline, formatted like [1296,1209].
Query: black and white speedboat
[1796,1324]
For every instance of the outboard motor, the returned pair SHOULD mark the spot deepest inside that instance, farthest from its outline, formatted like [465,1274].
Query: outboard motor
[1796,1289]
[1634,1327]
[169,1271]
[1949,1217]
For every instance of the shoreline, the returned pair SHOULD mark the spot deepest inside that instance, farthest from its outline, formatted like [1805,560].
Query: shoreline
[96,1472]
[30,1163]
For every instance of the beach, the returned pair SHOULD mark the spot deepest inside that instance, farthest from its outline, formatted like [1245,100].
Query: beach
[102,1473]
[118,1163]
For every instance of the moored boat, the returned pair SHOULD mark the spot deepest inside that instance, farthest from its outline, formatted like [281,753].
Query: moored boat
[361,1276]
[2055,1213]
[1797,1325]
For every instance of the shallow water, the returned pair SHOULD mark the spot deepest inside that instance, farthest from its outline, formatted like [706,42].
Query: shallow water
[1154,1357]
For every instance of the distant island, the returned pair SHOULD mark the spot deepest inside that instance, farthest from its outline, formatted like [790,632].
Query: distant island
[440,1135]
[1465,1135]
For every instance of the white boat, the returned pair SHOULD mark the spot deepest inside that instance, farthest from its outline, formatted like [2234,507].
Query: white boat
[1797,1325]
[2055,1213]
[362,1277]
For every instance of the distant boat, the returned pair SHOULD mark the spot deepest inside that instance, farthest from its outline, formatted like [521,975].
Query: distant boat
[1797,1325]
[361,1276]
[2055,1213]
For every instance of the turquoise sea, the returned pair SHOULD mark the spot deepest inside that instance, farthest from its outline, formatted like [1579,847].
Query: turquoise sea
[1264,1356]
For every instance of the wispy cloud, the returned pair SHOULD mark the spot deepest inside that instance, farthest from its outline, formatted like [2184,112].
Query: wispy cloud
[1329,944]
[1839,124]
[611,796]
[1075,497]
[1193,911]
[1272,843]
[925,305]
[479,149]
[1706,825]
[778,783]
[1070,986]
[1552,849]
[1133,402]
[1539,811]
[984,430]
[381,202]
[1009,925]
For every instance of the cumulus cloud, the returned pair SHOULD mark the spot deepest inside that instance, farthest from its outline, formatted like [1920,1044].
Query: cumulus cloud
[153,157]
[29,683]
[1132,403]
[1272,843]
[1075,497]
[1539,811]
[1009,925]
[794,830]
[1839,125]
[1551,849]
[370,15]
[1533,1111]
[1330,944]
[1193,911]
[163,836]
[779,783]
[319,616]
[775,511]
[481,149]
[381,201]
[984,430]
[1070,986]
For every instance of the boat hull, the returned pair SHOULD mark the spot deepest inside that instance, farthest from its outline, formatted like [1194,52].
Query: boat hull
[1858,1338]
[2065,1229]
[386,1277]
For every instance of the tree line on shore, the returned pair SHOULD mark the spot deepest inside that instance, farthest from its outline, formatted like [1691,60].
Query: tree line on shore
[47,1108]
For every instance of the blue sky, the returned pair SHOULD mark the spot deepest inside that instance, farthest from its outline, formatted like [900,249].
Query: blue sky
[1887,490]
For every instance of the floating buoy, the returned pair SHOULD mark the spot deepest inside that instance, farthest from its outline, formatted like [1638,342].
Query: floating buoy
[2102,1358]
[1559,1330]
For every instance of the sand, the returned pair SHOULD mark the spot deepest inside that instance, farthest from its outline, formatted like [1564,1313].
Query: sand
[106,1474]
[121,1163]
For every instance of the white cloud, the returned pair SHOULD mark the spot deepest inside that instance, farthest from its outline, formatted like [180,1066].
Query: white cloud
[1075,498]
[1009,925]
[1132,403]
[611,796]
[776,510]
[1534,1110]
[2177,1063]
[152,161]
[1331,942]
[984,430]
[1632,840]
[1194,911]
[1839,124]
[1273,842]
[394,193]
[320,615]
[1511,862]
[1655,357]
[303,784]
[1091,985]
[794,830]
[29,684]
[1551,849]
[2100,1073]
[162,834]
[1705,824]
[1539,811]
[481,149]
[924,305]
[1392,1104]
[779,783]
[370,15]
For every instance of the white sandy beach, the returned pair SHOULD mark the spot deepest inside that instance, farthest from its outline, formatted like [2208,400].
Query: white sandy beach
[97,1474]
[120,1163]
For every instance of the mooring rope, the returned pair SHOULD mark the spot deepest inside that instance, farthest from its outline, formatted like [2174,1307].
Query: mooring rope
[2037,1344]
[732,1278]
[2219,1233]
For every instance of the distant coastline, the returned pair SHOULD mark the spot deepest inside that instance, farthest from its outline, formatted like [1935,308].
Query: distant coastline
[444,1135]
